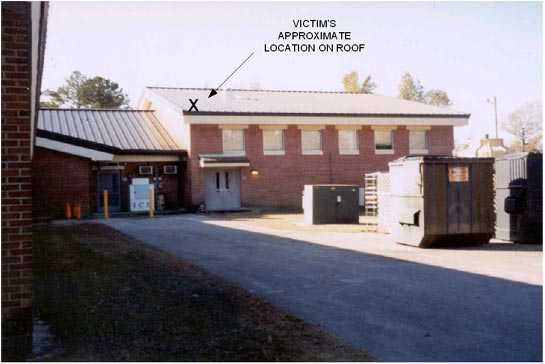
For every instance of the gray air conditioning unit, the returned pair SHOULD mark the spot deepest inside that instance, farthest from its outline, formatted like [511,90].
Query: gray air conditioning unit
[145,170]
[170,169]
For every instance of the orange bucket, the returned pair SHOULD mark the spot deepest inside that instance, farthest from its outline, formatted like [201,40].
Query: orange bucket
[67,211]
[77,210]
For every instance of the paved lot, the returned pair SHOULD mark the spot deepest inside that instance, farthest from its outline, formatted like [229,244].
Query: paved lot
[400,303]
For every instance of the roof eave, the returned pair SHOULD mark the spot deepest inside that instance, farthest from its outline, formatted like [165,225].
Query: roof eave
[344,115]
[105,148]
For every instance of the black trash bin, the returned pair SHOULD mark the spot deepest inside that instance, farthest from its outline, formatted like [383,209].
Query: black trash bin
[519,195]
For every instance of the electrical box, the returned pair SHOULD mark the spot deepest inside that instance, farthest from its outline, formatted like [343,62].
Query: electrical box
[331,204]
[139,194]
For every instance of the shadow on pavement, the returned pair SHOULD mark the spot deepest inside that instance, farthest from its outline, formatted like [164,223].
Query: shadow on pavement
[397,310]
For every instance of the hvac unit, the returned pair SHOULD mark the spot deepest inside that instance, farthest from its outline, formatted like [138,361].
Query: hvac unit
[145,170]
[170,169]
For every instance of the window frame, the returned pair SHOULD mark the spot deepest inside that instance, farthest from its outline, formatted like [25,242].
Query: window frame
[353,151]
[426,148]
[282,149]
[384,150]
[312,151]
[233,152]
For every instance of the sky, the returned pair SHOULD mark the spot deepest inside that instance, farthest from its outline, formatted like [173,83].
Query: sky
[472,50]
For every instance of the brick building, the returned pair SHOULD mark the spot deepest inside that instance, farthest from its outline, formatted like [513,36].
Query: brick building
[23,43]
[241,149]
[259,148]
[80,153]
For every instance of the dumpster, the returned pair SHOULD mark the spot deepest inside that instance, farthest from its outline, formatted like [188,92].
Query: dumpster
[331,204]
[519,195]
[442,200]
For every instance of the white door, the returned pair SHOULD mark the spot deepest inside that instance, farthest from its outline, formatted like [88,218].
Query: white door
[223,190]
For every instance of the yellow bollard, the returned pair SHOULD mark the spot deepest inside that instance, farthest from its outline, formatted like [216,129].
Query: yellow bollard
[106,208]
[151,202]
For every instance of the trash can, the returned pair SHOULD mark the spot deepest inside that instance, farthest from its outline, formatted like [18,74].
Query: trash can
[519,195]
[331,204]
[442,200]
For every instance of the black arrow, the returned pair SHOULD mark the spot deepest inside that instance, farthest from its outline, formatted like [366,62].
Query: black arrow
[213,91]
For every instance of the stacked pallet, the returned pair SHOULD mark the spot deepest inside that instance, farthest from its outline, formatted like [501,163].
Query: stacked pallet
[370,195]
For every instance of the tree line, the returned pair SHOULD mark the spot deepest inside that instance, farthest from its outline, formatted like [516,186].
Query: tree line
[409,89]
[80,91]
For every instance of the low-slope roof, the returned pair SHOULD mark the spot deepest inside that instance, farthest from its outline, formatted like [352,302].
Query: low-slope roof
[263,102]
[117,131]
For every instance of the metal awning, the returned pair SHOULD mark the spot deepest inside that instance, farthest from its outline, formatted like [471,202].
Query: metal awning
[222,161]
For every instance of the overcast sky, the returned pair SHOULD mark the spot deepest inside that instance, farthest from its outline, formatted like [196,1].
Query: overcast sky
[471,50]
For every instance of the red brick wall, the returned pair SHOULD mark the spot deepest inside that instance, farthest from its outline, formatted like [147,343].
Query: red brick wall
[59,178]
[441,140]
[16,171]
[281,178]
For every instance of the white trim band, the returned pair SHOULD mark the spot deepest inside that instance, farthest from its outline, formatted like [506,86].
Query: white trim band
[322,120]
[73,149]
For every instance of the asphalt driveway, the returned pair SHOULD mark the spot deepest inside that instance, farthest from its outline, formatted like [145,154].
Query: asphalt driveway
[397,309]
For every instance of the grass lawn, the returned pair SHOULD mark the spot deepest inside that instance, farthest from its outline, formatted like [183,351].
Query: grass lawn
[107,297]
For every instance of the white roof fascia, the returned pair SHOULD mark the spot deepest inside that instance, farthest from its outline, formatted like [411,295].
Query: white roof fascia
[223,164]
[146,158]
[94,155]
[323,120]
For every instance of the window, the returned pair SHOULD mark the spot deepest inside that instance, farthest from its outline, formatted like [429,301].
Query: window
[273,141]
[383,140]
[233,141]
[348,141]
[418,141]
[311,141]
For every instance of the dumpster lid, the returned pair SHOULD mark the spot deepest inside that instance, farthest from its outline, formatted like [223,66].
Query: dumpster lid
[520,155]
[332,185]
[440,159]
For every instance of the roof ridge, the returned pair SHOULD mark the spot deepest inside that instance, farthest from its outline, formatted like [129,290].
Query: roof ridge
[92,109]
[258,90]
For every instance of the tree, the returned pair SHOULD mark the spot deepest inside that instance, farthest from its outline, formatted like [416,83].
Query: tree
[48,104]
[351,84]
[437,98]
[79,91]
[368,86]
[409,89]
[525,123]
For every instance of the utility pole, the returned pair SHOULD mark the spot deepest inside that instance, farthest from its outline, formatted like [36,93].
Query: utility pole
[493,101]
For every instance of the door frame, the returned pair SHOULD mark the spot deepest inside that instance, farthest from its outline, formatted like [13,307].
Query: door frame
[99,190]
[212,174]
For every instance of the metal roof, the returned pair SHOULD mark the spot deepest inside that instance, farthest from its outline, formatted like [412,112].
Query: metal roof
[236,101]
[109,130]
